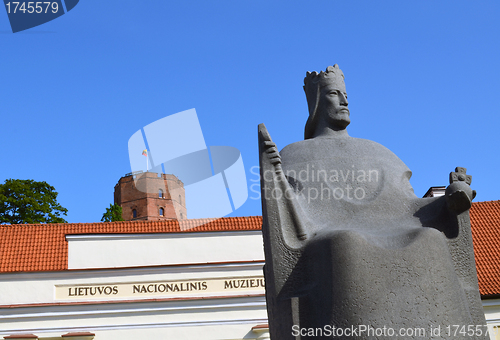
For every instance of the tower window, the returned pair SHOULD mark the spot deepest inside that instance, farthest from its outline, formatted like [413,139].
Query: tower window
[134,213]
[180,199]
[182,216]
[162,212]
[160,193]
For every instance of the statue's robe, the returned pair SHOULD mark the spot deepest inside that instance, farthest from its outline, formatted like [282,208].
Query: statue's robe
[375,254]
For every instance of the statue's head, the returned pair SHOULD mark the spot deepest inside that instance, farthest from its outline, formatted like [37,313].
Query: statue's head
[326,99]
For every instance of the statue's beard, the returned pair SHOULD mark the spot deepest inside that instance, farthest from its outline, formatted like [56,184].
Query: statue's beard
[340,120]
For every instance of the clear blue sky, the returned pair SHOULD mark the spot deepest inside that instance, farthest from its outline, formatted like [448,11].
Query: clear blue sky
[423,79]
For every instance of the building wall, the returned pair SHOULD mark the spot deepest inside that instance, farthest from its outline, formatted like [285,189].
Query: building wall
[492,312]
[127,250]
[31,303]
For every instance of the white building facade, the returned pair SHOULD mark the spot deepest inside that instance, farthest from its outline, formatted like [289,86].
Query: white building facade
[205,285]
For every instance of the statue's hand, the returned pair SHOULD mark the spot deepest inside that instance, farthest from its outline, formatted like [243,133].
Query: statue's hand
[459,194]
[272,152]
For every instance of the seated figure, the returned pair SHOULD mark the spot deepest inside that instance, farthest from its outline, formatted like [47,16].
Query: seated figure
[349,245]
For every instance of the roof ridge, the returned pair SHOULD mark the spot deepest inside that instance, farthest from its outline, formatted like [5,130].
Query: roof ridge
[175,221]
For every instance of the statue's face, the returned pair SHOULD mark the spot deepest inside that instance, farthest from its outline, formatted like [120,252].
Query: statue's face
[333,107]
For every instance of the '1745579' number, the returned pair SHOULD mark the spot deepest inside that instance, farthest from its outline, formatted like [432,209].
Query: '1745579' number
[32,7]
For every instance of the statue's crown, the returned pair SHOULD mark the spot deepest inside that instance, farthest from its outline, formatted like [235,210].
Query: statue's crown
[332,76]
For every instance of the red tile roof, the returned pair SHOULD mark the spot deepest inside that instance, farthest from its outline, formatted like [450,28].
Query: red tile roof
[485,220]
[43,247]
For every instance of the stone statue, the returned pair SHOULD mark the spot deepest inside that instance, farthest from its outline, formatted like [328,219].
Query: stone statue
[349,247]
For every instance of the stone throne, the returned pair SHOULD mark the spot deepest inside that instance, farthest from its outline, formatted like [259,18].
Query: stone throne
[347,242]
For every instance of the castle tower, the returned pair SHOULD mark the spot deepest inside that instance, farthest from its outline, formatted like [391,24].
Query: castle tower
[148,196]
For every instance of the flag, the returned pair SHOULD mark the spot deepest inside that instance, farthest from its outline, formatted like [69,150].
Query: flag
[145,153]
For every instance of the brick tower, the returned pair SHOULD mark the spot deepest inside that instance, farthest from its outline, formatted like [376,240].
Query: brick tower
[148,196]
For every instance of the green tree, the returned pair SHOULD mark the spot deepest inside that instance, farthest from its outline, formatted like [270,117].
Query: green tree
[112,214]
[29,201]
